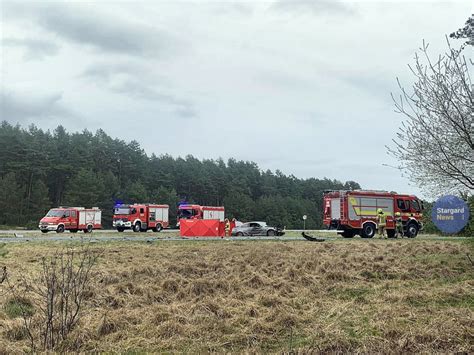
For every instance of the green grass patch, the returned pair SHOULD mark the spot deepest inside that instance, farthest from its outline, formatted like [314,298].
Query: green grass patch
[469,241]
[3,250]
[18,307]
[361,329]
[449,301]
[5,227]
[378,275]
[294,342]
[352,294]
[457,301]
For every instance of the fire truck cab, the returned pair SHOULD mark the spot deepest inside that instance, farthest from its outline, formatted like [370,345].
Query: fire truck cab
[141,217]
[72,219]
[200,212]
[355,212]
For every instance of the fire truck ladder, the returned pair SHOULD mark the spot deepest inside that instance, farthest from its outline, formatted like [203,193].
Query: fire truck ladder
[341,207]
[342,203]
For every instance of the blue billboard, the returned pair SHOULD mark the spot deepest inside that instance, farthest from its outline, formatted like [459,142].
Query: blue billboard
[450,214]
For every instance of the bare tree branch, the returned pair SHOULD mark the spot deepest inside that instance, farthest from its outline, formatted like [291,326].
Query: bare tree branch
[57,296]
[435,145]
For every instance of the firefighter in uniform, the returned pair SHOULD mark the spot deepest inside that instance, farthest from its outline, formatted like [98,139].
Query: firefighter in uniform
[381,222]
[398,225]
[227,227]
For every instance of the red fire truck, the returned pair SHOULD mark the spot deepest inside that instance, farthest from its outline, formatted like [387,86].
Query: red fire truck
[72,219]
[141,217]
[355,212]
[200,212]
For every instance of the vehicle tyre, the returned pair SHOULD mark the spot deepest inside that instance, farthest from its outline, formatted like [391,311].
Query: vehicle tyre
[137,227]
[347,234]
[412,230]
[60,229]
[368,231]
[44,231]
[158,228]
[239,234]
[391,233]
[270,233]
[120,229]
[90,228]
[73,230]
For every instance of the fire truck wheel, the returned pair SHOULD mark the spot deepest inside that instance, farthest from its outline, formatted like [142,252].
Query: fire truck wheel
[412,230]
[391,233]
[90,228]
[60,229]
[120,229]
[44,231]
[271,233]
[73,230]
[158,228]
[240,234]
[137,227]
[368,231]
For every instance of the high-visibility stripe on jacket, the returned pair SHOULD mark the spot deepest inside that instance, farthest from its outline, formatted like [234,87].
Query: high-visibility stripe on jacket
[382,219]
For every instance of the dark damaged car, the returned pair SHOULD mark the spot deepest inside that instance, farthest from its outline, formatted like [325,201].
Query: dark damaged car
[256,228]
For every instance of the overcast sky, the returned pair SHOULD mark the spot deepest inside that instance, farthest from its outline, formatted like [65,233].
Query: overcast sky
[303,87]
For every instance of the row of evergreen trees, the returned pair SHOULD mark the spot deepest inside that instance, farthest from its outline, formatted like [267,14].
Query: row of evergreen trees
[42,169]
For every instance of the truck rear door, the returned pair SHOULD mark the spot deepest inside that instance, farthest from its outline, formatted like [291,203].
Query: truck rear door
[165,214]
[335,208]
[152,216]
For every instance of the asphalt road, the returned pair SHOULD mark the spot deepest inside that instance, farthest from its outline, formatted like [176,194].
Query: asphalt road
[106,235]
[23,236]
[11,232]
[102,231]
[108,238]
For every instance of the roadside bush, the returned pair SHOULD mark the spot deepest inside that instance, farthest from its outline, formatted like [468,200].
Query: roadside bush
[51,305]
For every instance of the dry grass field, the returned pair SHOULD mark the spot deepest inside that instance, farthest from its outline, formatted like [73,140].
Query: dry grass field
[226,296]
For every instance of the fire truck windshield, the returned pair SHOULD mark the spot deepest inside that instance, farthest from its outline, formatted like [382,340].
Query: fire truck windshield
[122,210]
[185,214]
[415,205]
[55,213]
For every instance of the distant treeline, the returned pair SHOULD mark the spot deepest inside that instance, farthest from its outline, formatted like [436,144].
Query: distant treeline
[42,169]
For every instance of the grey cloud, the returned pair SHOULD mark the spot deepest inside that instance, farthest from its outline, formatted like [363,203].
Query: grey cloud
[135,81]
[132,69]
[316,7]
[377,84]
[106,71]
[283,79]
[225,8]
[186,112]
[34,48]
[108,34]
[22,107]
